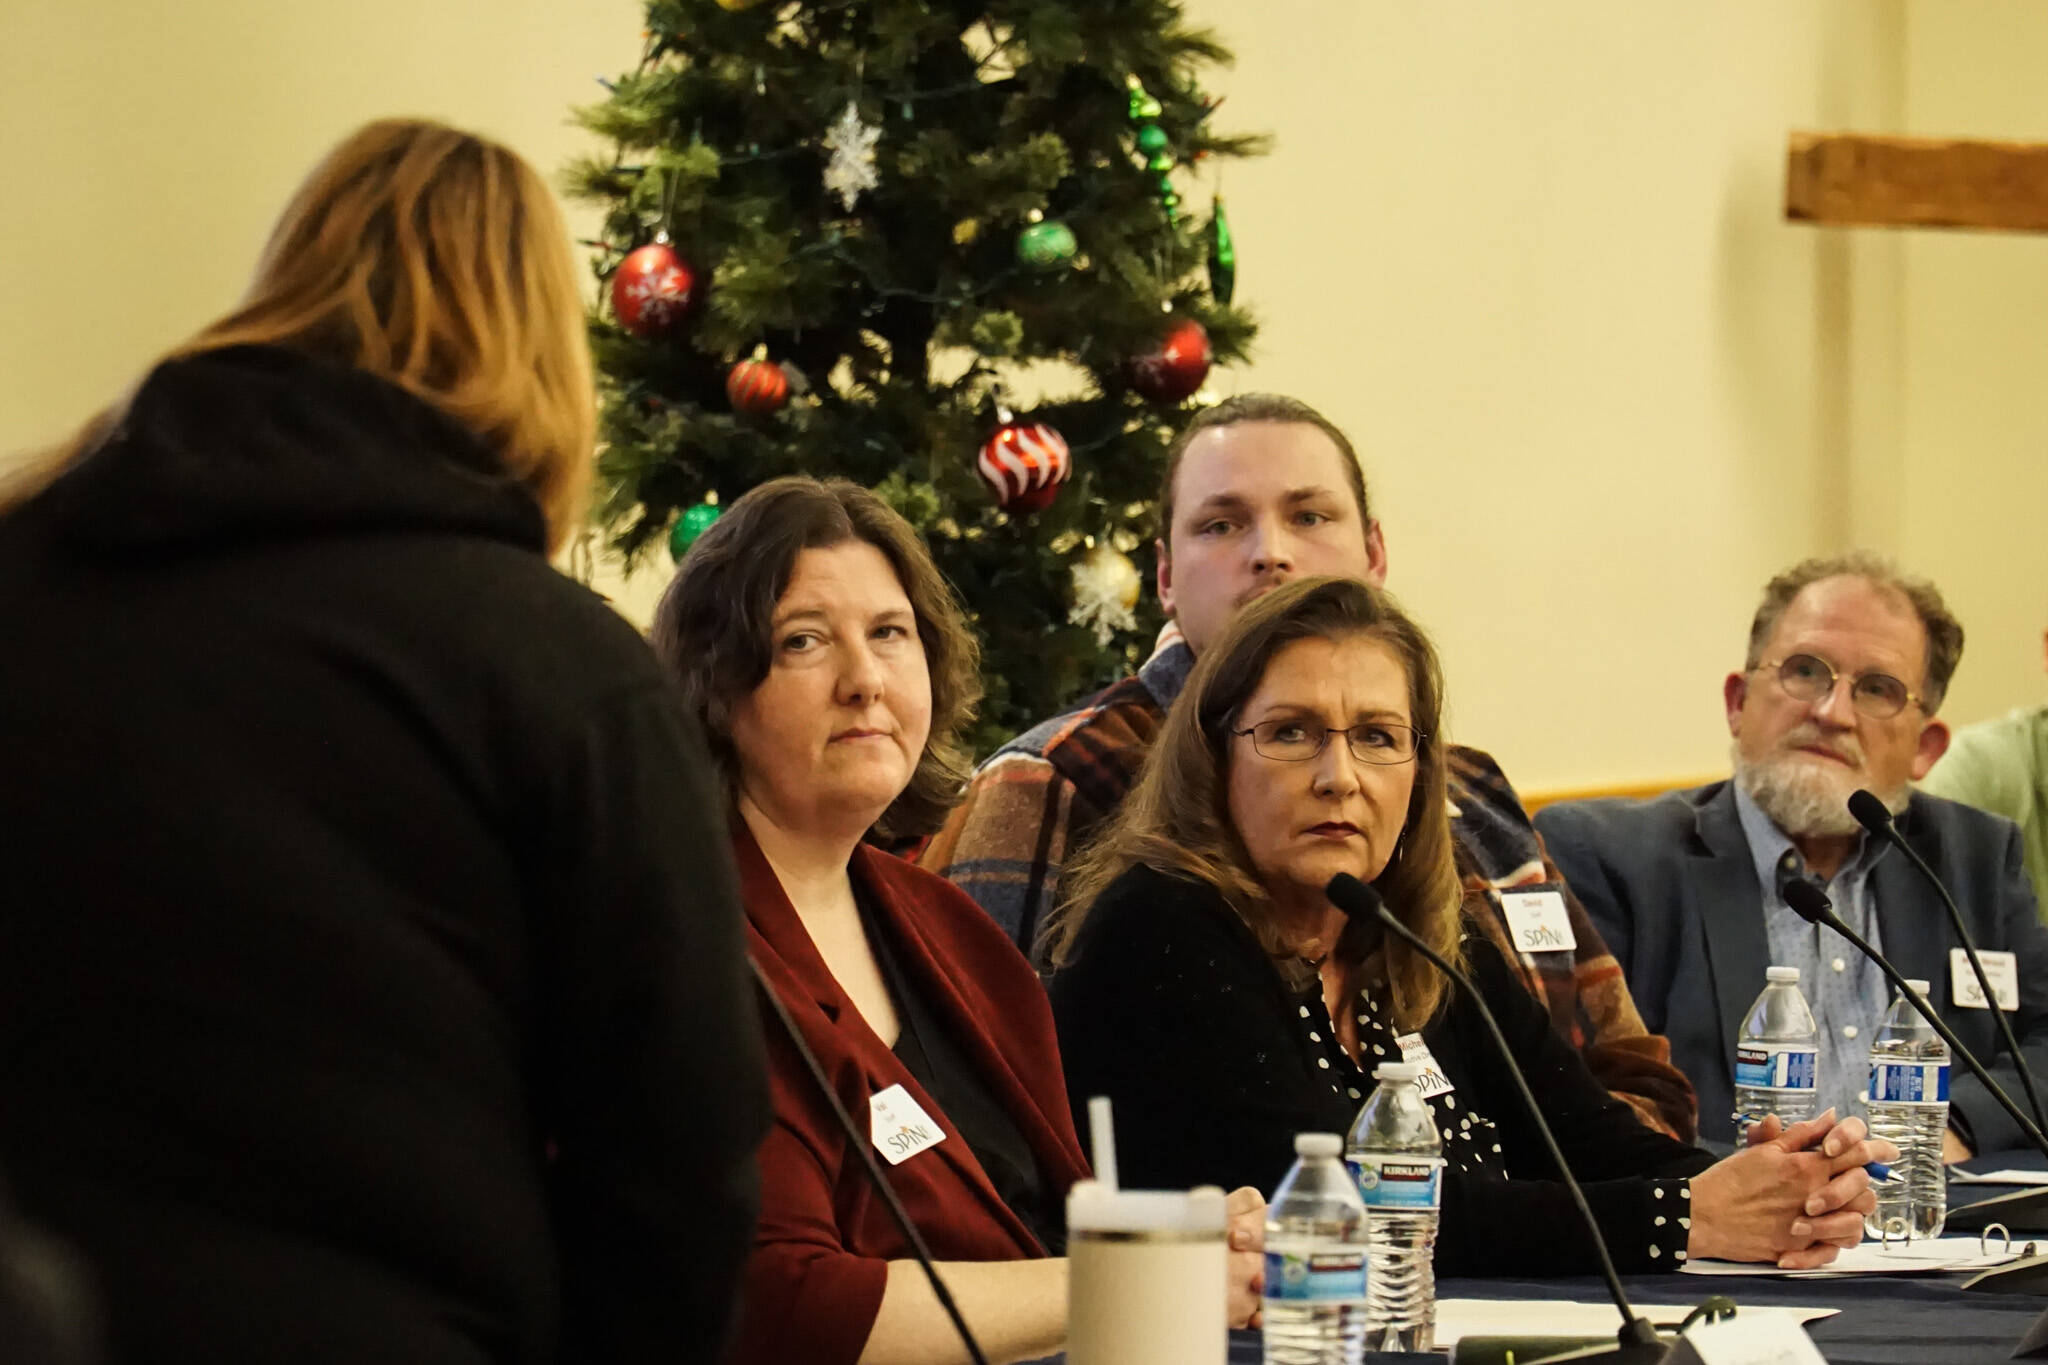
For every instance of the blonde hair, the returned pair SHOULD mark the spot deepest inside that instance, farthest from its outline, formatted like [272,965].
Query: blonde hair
[438,261]
[1177,818]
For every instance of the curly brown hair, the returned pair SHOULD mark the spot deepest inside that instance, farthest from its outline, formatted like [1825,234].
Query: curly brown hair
[1177,818]
[712,626]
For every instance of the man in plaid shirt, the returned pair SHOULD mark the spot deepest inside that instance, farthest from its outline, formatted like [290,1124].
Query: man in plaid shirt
[1261,489]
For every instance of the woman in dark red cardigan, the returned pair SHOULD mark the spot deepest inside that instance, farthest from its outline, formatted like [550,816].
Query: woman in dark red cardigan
[833,672]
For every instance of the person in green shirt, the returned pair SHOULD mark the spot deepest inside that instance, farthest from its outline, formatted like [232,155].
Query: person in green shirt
[2001,766]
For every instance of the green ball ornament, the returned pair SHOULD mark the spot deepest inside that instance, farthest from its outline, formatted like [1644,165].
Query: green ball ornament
[1151,139]
[1043,246]
[694,522]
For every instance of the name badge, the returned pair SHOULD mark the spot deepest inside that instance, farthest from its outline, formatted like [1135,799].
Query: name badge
[2002,968]
[1431,1080]
[1538,921]
[899,1127]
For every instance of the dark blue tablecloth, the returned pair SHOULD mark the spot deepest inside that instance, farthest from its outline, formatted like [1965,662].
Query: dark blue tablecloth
[1883,1319]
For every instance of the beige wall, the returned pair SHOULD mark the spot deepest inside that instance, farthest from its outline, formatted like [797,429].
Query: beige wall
[148,147]
[1532,254]
[1975,378]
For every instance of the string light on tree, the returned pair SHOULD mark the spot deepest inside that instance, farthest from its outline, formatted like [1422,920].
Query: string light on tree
[1179,365]
[653,290]
[1024,464]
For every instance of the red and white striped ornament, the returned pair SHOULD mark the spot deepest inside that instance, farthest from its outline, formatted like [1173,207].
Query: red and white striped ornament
[756,386]
[1024,464]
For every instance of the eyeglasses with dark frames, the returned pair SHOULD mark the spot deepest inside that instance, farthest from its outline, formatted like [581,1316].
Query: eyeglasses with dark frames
[1289,740]
[1808,677]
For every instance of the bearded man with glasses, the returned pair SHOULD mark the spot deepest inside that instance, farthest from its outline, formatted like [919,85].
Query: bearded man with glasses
[1847,664]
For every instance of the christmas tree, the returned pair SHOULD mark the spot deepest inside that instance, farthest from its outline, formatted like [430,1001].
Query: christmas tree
[939,249]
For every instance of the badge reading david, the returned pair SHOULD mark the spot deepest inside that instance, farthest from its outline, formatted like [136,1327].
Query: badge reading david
[899,1127]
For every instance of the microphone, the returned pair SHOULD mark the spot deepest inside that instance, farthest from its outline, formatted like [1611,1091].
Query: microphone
[1874,816]
[1811,904]
[1637,1343]
[918,1248]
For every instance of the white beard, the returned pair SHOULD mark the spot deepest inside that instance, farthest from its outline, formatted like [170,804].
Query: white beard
[1805,799]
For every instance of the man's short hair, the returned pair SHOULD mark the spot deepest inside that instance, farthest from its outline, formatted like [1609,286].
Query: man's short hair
[1944,631]
[1259,407]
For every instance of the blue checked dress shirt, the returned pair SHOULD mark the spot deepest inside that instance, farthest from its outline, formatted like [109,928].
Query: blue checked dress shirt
[1845,990]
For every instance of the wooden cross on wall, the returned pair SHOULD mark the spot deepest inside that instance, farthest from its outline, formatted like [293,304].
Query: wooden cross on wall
[1852,180]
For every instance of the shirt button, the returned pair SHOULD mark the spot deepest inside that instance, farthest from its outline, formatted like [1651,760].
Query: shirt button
[1848,1030]
[1839,965]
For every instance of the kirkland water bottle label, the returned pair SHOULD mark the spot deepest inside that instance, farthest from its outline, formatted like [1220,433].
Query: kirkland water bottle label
[1398,1182]
[1909,1083]
[1776,1066]
[1327,1275]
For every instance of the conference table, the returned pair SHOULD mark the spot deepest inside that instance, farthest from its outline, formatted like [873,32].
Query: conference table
[1883,1319]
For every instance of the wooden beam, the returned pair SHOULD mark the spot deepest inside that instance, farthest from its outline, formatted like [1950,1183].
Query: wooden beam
[1533,802]
[1849,179]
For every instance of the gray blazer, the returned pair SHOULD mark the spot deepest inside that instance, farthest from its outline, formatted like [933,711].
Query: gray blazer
[1672,887]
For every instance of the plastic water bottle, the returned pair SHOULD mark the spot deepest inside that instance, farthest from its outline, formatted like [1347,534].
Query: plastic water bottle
[1315,1260]
[1397,1159]
[1908,1107]
[1777,1059]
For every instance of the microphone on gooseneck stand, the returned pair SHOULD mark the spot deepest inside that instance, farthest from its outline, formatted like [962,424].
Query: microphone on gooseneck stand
[859,1145]
[2030,1274]
[1637,1343]
[1874,816]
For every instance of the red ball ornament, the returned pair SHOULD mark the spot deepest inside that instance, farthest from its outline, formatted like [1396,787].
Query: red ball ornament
[652,290]
[1024,464]
[1178,367]
[757,387]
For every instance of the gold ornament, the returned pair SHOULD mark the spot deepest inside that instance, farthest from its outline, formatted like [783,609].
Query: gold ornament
[1106,588]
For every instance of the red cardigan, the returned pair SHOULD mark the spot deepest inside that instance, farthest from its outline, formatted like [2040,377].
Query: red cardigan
[814,1281]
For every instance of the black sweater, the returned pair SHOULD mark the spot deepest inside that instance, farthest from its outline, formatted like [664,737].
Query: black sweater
[1172,1009]
[371,975]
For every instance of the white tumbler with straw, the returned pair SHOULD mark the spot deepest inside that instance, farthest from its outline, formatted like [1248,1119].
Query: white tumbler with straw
[1146,1268]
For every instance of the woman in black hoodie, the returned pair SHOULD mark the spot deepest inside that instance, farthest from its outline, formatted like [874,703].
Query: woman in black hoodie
[371,979]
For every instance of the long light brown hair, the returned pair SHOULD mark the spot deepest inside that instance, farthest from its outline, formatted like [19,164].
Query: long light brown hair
[1177,818]
[436,260]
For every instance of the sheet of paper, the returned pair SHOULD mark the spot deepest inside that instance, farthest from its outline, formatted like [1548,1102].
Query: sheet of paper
[1998,1177]
[1565,1318]
[1910,1258]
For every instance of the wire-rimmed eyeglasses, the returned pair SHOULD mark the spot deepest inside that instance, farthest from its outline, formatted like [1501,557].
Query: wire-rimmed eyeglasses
[1808,677]
[1373,741]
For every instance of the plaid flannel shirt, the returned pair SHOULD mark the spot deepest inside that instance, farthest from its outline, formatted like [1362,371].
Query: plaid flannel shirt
[1045,792]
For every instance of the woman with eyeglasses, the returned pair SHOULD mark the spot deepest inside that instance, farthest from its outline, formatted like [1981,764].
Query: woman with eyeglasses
[1204,981]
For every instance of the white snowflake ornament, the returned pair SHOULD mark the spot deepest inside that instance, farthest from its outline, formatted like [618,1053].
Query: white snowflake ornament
[1106,587]
[852,144]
